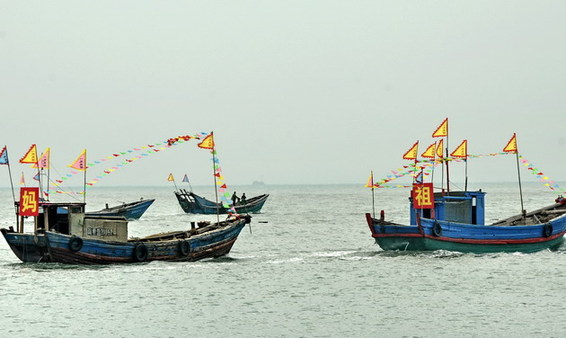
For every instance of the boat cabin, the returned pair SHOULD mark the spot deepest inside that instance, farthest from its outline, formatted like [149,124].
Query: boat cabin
[70,219]
[456,206]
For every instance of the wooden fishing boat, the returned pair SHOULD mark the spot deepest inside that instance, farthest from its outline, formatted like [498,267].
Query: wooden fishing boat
[458,225]
[131,211]
[72,237]
[455,220]
[192,203]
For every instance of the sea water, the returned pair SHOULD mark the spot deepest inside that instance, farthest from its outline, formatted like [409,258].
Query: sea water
[306,267]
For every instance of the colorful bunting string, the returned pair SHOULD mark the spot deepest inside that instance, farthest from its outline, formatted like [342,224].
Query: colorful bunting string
[547,182]
[425,165]
[144,152]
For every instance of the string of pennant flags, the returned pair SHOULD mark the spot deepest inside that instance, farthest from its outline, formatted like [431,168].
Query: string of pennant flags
[81,164]
[141,151]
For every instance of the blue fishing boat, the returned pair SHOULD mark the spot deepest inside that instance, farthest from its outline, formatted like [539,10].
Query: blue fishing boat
[131,211]
[192,203]
[458,225]
[63,233]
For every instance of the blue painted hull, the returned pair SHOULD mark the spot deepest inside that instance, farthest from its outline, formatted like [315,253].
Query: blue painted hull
[29,248]
[442,235]
[211,242]
[131,211]
[452,236]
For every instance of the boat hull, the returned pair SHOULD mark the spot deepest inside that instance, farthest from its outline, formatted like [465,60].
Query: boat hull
[131,211]
[210,244]
[29,248]
[434,235]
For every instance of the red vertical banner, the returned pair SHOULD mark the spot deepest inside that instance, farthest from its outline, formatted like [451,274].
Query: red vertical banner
[423,196]
[29,201]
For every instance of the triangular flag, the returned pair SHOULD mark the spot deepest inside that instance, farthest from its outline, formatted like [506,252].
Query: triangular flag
[30,156]
[430,151]
[208,142]
[412,153]
[80,162]
[170,178]
[36,177]
[442,130]
[511,146]
[369,184]
[186,178]
[4,156]
[439,149]
[461,151]
[43,160]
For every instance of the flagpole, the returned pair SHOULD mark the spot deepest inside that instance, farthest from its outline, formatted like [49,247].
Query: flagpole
[84,179]
[372,194]
[11,179]
[520,188]
[214,175]
[48,172]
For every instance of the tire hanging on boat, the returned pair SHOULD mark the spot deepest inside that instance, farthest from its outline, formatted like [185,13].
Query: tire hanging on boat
[437,229]
[75,244]
[184,248]
[140,252]
[547,230]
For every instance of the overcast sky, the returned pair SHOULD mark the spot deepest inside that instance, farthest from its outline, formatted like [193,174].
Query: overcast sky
[297,92]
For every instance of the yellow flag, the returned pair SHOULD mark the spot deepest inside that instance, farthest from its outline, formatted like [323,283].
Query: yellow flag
[440,149]
[208,142]
[461,151]
[442,130]
[369,184]
[170,178]
[30,156]
[511,146]
[430,151]
[412,153]
[80,162]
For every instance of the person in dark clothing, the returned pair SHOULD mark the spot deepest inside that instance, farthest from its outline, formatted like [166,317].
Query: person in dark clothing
[235,198]
[243,199]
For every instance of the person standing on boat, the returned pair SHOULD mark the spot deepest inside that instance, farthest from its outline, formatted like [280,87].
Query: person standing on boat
[235,198]
[243,199]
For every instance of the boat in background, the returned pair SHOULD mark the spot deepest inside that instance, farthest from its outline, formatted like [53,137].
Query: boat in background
[63,233]
[192,203]
[131,211]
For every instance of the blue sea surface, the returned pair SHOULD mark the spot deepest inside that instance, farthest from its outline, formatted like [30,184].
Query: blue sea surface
[306,267]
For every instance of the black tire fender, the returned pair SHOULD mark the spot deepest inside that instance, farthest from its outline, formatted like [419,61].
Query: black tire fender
[75,244]
[184,248]
[547,230]
[436,229]
[140,252]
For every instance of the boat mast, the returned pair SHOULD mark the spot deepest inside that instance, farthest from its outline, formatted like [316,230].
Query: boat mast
[214,175]
[520,188]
